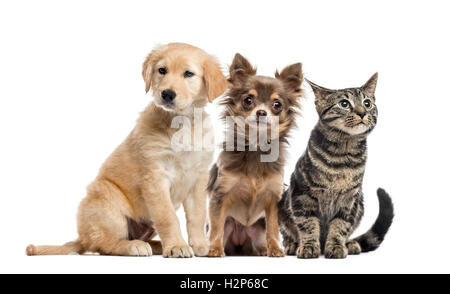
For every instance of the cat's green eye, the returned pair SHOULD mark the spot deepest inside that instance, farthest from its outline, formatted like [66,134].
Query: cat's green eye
[367,103]
[344,103]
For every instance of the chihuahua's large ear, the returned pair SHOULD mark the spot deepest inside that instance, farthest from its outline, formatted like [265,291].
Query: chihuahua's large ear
[292,77]
[240,70]
[370,86]
[147,67]
[215,81]
[319,92]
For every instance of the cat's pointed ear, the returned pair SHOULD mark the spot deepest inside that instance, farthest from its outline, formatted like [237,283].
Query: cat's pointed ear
[319,92]
[292,77]
[240,70]
[370,86]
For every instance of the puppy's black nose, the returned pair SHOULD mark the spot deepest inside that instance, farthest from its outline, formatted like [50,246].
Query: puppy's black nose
[261,113]
[168,95]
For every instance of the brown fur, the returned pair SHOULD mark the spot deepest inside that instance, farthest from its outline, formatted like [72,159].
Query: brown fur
[144,181]
[244,190]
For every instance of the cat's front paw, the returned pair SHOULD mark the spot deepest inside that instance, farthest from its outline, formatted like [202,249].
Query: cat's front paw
[353,247]
[290,248]
[336,251]
[306,251]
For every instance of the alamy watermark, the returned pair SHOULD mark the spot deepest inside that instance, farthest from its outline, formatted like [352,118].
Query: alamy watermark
[241,134]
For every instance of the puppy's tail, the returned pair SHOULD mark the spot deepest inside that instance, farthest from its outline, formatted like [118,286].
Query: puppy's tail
[373,238]
[74,247]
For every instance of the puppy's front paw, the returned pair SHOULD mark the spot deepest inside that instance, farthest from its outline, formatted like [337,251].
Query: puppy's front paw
[200,248]
[216,252]
[336,251]
[307,251]
[275,251]
[181,250]
[137,248]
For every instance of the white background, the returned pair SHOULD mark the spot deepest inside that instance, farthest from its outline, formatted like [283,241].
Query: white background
[71,90]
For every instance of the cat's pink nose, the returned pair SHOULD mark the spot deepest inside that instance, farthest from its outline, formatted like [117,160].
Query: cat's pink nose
[360,111]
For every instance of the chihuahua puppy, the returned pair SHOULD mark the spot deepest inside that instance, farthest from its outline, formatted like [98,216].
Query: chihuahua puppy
[246,183]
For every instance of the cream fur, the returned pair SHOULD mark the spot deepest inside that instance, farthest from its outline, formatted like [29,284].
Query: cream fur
[144,179]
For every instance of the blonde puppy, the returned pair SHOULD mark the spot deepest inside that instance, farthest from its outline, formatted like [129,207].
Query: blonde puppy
[144,181]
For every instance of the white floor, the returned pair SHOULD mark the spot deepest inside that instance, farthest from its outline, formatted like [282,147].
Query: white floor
[385,260]
[378,262]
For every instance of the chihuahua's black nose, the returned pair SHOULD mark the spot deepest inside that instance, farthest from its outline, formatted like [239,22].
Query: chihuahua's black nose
[168,95]
[261,113]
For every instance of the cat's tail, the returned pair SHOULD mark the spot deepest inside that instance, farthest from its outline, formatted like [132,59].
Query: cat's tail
[373,238]
[68,248]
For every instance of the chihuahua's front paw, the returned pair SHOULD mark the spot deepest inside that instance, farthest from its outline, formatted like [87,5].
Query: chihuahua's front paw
[275,251]
[216,252]
[180,250]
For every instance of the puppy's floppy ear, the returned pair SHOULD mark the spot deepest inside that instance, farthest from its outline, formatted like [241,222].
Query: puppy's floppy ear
[240,70]
[370,86]
[215,81]
[292,77]
[147,67]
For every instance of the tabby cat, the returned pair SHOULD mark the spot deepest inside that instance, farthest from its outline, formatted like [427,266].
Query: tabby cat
[324,202]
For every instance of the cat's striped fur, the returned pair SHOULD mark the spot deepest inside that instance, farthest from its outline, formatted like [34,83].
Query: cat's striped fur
[324,202]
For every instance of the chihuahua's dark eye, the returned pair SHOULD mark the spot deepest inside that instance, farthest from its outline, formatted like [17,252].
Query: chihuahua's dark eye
[248,100]
[162,70]
[277,105]
[188,74]
[344,103]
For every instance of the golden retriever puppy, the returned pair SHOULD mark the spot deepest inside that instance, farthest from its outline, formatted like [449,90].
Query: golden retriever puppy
[144,181]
